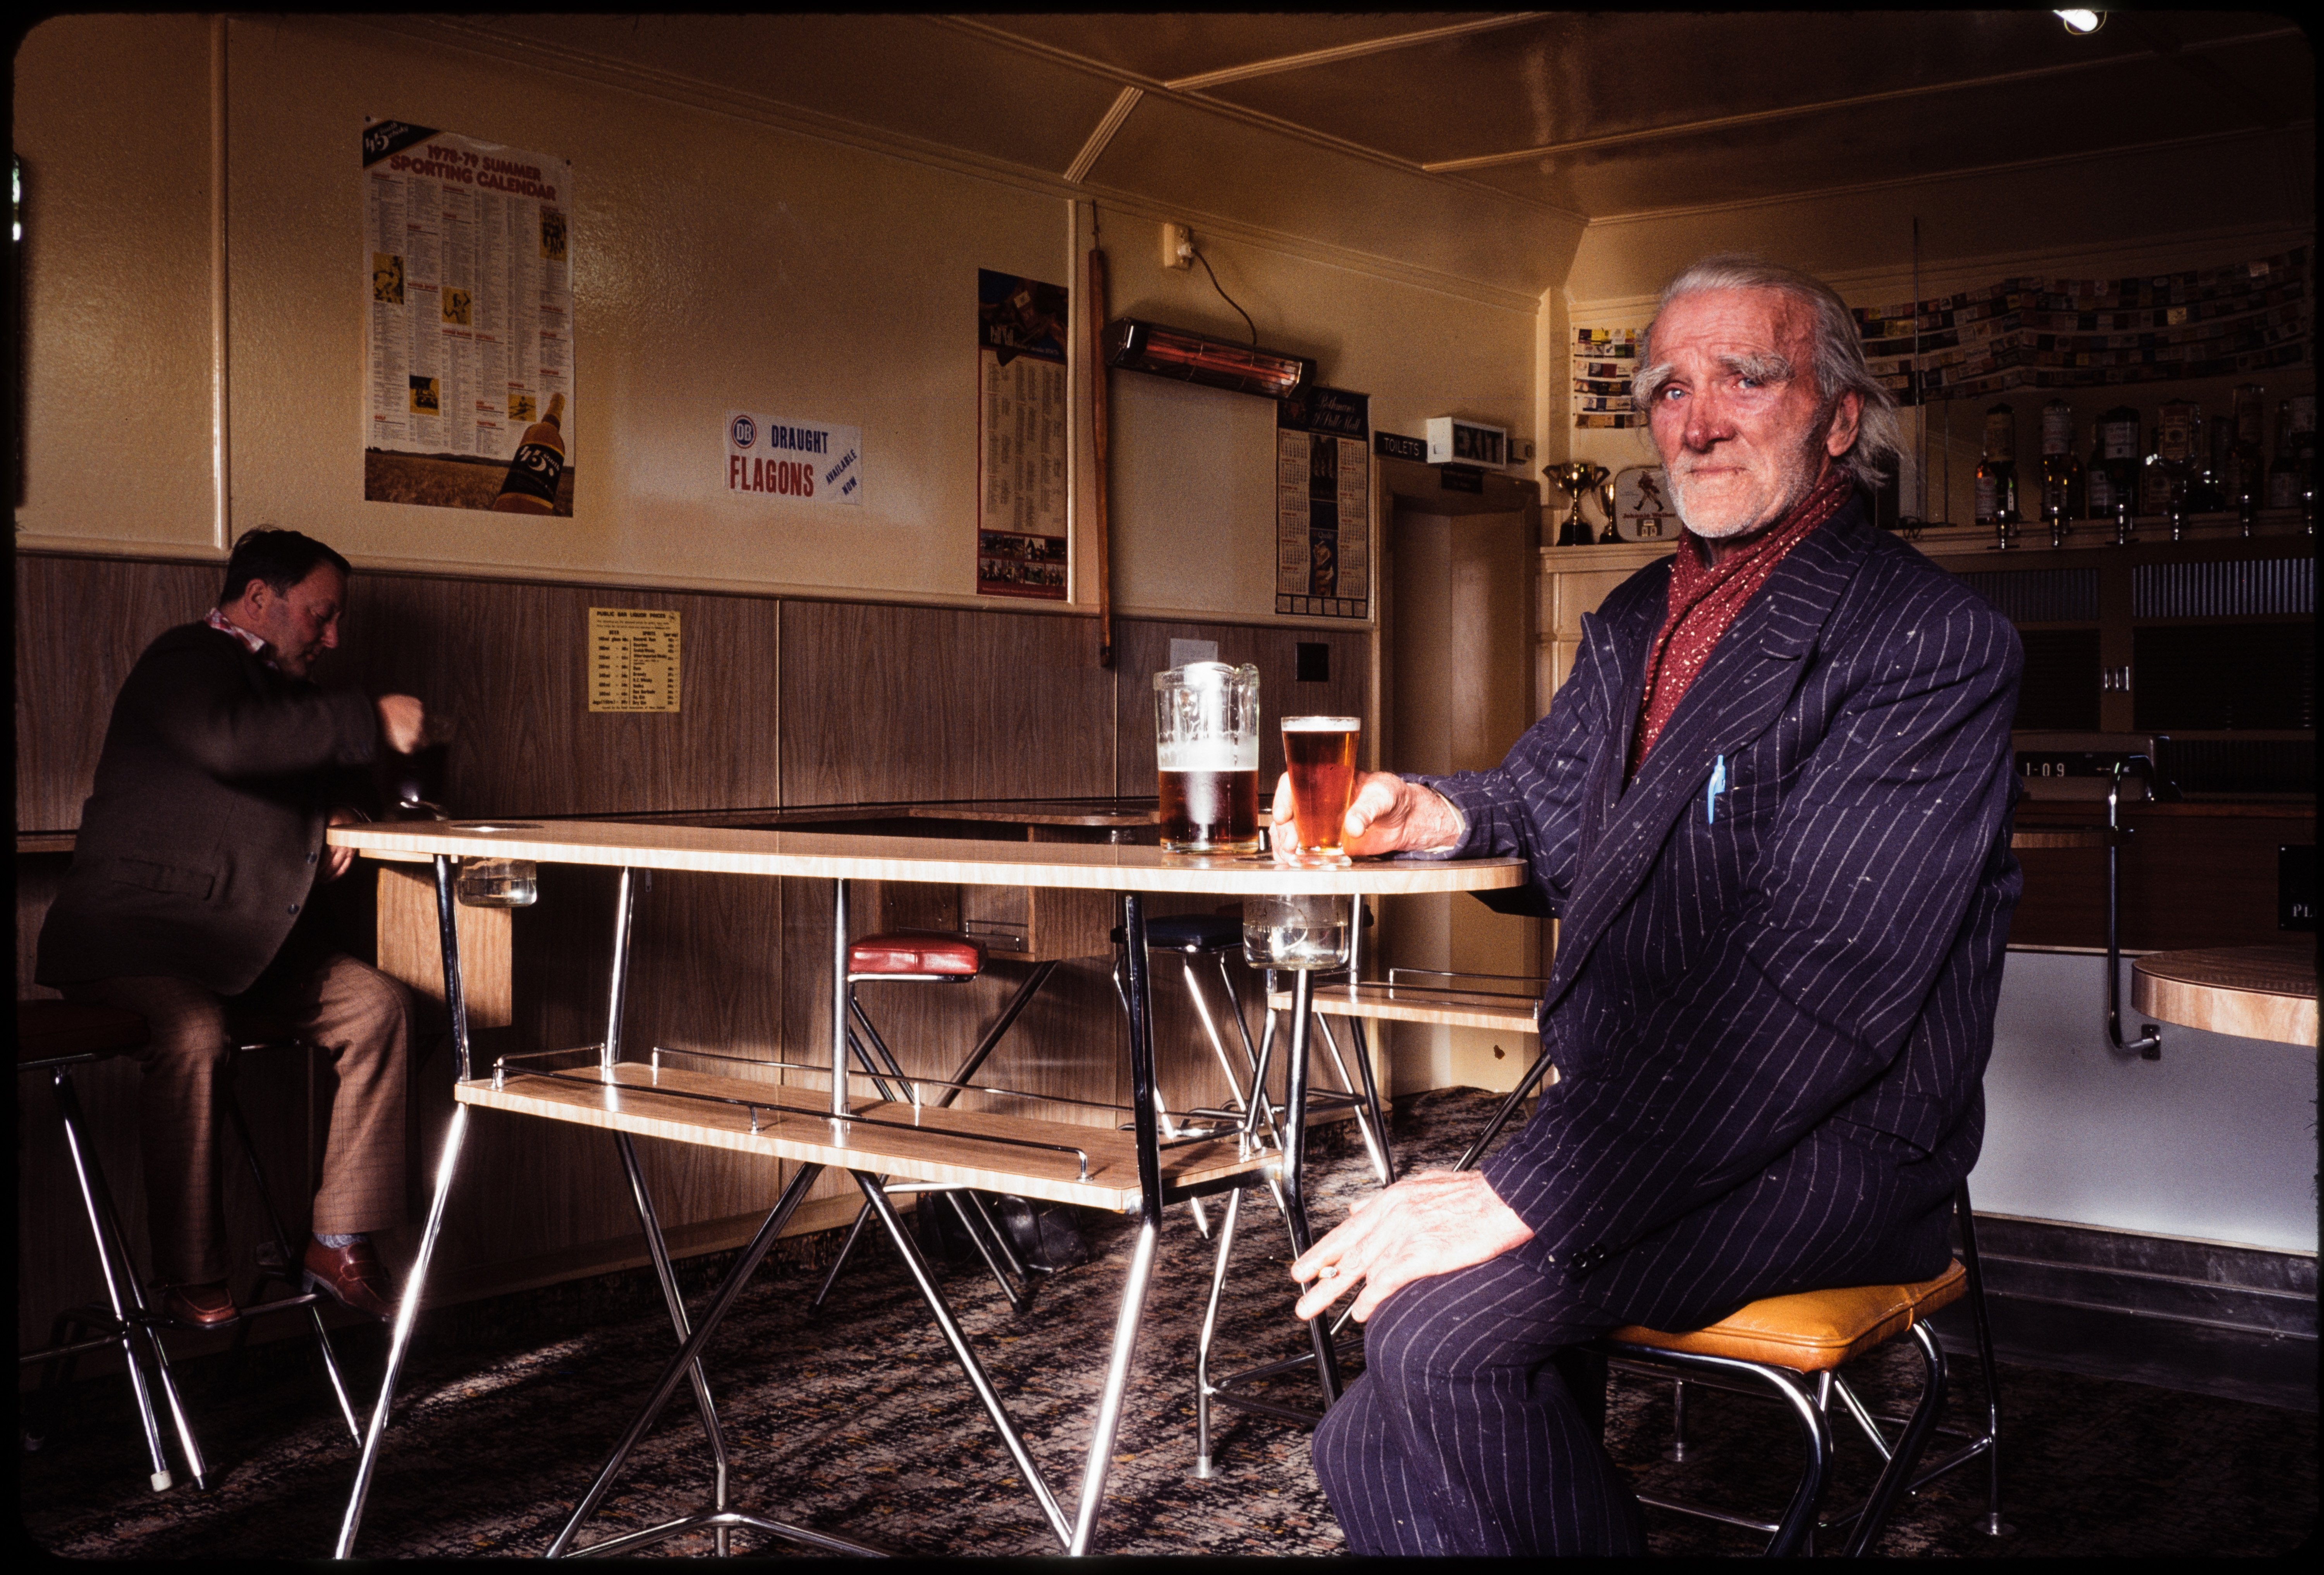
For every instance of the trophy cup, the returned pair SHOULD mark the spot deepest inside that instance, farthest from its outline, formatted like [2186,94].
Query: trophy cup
[1577,479]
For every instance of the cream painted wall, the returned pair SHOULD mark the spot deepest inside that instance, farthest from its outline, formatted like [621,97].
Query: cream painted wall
[720,262]
[113,125]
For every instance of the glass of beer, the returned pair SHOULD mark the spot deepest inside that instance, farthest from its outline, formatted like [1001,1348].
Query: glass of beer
[1206,753]
[1320,752]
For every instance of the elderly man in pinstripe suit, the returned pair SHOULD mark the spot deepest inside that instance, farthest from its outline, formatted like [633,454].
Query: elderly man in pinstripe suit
[1771,811]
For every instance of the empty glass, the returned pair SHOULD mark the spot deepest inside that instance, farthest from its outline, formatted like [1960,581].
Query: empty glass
[1307,930]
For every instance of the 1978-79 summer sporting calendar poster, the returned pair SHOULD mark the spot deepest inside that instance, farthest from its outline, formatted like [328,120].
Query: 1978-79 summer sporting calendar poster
[468,324]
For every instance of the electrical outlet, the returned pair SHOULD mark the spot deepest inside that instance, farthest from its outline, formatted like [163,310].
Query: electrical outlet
[1178,247]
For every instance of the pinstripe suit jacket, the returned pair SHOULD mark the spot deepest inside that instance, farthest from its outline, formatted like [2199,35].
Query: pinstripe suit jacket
[1818,951]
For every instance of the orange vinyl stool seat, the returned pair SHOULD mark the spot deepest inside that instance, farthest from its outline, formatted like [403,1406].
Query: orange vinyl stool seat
[1777,1342]
[1815,1331]
[918,952]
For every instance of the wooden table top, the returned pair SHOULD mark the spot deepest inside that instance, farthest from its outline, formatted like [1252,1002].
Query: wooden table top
[1085,811]
[2255,992]
[826,856]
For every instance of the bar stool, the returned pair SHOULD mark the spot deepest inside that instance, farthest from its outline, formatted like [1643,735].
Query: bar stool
[1793,1346]
[56,1036]
[1983,1440]
[930,957]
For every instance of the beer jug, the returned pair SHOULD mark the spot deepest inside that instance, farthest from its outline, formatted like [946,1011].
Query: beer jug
[1206,753]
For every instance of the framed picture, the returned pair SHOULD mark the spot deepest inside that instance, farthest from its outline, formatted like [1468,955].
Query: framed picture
[1643,509]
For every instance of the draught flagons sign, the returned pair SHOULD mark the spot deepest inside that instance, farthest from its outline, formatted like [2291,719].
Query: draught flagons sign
[796,460]
[469,324]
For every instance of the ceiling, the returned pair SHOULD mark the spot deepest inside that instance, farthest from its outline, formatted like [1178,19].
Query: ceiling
[1512,128]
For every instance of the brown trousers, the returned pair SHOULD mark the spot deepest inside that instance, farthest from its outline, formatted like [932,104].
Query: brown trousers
[361,1021]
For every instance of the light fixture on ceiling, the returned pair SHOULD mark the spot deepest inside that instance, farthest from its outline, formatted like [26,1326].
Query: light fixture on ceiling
[2081,22]
[1149,348]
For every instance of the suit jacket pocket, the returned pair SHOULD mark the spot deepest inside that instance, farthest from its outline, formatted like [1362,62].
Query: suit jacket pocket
[159,877]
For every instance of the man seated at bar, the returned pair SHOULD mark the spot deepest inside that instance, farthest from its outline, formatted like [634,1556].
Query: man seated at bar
[187,898]
[1771,811]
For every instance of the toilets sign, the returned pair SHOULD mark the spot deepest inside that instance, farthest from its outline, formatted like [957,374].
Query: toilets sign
[801,462]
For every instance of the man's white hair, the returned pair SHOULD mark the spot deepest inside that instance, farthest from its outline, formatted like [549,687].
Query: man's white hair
[1836,362]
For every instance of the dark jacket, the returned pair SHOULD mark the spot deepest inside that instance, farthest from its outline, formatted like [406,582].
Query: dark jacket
[200,842]
[1816,950]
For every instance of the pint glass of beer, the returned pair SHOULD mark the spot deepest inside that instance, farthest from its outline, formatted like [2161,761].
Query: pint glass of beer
[1320,752]
[1206,748]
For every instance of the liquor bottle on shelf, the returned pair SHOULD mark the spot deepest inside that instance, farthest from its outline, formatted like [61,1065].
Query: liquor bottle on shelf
[2246,459]
[2061,470]
[530,486]
[1996,475]
[2170,464]
[2207,479]
[2098,489]
[2283,476]
[2119,442]
[2288,472]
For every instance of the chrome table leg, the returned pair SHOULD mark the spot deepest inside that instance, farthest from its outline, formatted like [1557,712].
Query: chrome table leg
[683,1363]
[658,1249]
[1210,1333]
[1294,1144]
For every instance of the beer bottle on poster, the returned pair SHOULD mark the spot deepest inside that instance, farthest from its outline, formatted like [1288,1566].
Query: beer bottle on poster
[530,487]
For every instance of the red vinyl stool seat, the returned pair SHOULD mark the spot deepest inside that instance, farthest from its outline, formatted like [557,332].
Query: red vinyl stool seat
[917,953]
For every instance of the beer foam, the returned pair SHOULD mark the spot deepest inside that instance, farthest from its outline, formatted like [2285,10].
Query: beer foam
[1322,724]
[1209,754]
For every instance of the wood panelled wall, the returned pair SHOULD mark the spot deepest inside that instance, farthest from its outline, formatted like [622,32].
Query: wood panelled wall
[786,703]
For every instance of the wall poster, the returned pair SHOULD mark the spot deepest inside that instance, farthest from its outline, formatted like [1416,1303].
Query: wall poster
[1323,503]
[468,329]
[1021,532]
[633,659]
[1603,361]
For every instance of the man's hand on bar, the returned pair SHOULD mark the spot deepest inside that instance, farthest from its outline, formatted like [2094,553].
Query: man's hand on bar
[1423,1225]
[1386,814]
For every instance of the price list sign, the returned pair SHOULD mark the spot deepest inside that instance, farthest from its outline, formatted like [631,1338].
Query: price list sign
[633,658]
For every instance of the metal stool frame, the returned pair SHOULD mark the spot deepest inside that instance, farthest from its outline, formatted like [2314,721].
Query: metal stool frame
[990,1241]
[1977,1442]
[1793,1535]
[130,1317]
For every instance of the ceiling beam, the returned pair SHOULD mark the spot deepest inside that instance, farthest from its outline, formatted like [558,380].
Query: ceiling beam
[1125,102]
[1349,51]
[1827,105]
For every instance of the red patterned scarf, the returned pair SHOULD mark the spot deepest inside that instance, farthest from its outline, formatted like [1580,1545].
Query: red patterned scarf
[1706,597]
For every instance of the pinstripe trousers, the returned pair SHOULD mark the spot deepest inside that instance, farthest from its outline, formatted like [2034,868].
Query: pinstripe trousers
[1461,1438]
[357,1017]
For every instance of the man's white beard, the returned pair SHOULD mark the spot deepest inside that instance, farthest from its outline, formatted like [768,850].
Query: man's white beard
[1714,523]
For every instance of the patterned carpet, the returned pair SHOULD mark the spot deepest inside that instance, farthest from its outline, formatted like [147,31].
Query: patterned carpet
[856,1422]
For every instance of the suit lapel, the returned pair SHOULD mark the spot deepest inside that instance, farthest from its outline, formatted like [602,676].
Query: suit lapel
[1751,674]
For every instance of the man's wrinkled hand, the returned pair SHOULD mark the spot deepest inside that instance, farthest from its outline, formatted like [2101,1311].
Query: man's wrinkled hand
[337,861]
[1425,1225]
[1386,814]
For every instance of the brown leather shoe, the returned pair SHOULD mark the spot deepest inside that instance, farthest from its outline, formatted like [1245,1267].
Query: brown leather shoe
[208,1307]
[352,1276]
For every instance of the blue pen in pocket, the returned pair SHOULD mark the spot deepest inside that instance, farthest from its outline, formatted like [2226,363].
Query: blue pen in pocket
[1711,793]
